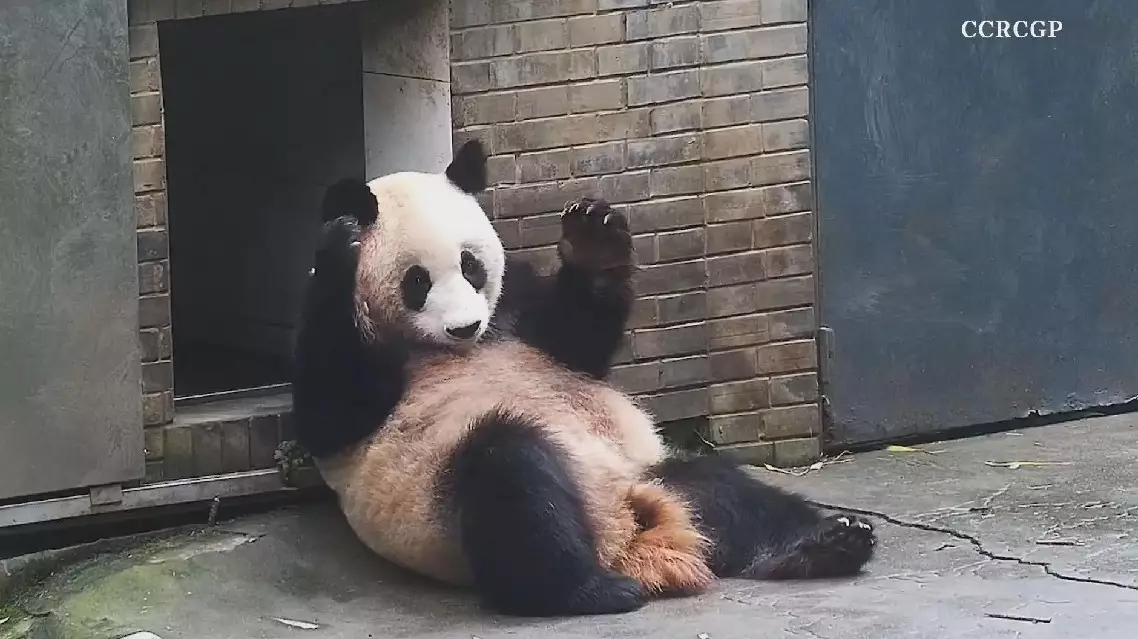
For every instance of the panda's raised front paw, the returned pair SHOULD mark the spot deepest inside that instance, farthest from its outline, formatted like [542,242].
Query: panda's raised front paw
[594,237]
[339,246]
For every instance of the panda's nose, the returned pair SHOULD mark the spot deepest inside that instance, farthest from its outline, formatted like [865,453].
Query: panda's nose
[464,332]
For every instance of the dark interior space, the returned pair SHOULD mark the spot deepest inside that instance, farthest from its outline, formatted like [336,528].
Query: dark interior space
[263,111]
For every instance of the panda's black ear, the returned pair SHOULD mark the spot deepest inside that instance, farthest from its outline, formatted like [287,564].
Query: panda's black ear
[352,197]
[467,170]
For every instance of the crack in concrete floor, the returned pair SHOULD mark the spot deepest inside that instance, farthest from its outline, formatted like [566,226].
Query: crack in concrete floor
[976,544]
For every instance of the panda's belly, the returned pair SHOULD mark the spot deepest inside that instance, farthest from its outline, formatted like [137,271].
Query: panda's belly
[388,490]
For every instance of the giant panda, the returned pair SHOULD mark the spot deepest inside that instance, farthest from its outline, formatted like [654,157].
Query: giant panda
[455,402]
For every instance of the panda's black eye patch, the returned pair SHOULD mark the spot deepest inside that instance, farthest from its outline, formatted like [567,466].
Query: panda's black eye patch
[473,270]
[415,286]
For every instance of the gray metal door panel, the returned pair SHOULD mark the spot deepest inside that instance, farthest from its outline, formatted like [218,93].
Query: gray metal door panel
[978,204]
[70,399]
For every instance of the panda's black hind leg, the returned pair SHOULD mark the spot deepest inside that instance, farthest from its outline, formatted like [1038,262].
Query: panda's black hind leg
[524,527]
[758,531]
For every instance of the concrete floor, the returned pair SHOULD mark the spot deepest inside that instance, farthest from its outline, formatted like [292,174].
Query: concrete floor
[961,540]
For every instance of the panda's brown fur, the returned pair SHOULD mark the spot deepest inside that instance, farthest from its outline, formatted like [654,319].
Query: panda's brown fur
[455,401]
[610,440]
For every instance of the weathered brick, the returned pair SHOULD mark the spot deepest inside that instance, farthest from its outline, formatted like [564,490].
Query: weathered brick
[264,438]
[571,130]
[241,6]
[735,109]
[636,378]
[728,238]
[732,142]
[510,231]
[784,293]
[661,214]
[542,103]
[735,268]
[676,180]
[235,446]
[794,389]
[196,8]
[157,376]
[470,13]
[222,7]
[501,169]
[736,397]
[670,278]
[675,117]
[644,313]
[153,244]
[155,343]
[489,108]
[602,95]
[607,5]
[542,35]
[732,429]
[783,72]
[787,135]
[644,248]
[661,151]
[149,175]
[768,42]
[663,87]
[145,76]
[622,59]
[153,444]
[793,324]
[685,371]
[484,133]
[742,330]
[178,452]
[680,245]
[684,307]
[143,41]
[543,166]
[669,53]
[780,104]
[786,357]
[797,452]
[597,159]
[783,11]
[513,10]
[154,276]
[589,31]
[788,260]
[677,404]
[483,42]
[207,444]
[774,168]
[470,77]
[658,23]
[753,453]
[733,364]
[540,68]
[543,259]
[728,174]
[631,186]
[791,421]
[729,79]
[532,199]
[151,11]
[540,230]
[784,229]
[728,14]
[154,310]
[148,141]
[157,408]
[146,108]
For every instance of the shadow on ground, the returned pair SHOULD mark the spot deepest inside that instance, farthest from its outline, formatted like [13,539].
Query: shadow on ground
[965,543]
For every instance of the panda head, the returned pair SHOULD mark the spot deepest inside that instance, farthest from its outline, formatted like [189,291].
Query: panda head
[430,263]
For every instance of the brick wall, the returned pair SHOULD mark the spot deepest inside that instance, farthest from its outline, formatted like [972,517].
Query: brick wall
[692,116]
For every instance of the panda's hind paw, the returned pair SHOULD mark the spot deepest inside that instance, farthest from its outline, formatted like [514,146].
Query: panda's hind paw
[594,237]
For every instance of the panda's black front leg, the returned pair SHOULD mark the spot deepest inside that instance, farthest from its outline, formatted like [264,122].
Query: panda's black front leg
[578,316]
[343,386]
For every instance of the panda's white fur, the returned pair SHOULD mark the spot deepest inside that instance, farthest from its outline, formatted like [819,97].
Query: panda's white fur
[456,404]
